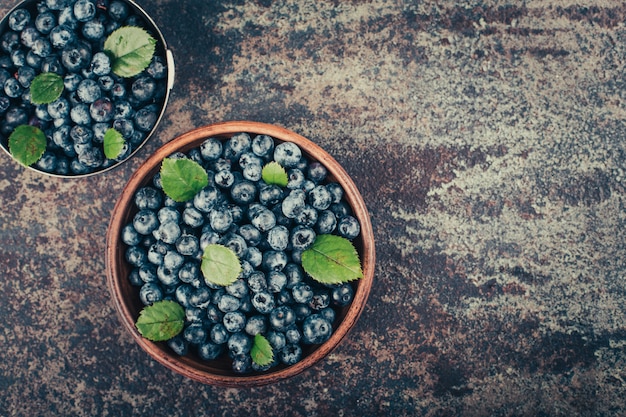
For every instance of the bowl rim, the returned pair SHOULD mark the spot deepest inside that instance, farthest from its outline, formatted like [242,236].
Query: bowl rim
[169,57]
[189,139]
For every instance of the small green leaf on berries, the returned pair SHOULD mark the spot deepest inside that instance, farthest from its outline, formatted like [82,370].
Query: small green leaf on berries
[274,173]
[46,87]
[182,179]
[113,143]
[261,352]
[161,320]
[131,49]
[332,259]
[27,144]
[220,265]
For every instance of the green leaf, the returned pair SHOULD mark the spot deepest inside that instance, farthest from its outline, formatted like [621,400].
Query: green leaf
[113,143]
[27,144]
[46,87]
[182,178]
[161,320]
[261,352]
[274,173]
[220,265]
[332,259]
[131,49]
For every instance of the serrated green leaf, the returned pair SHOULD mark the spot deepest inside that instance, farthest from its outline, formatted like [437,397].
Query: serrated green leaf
[262,353]
[131,49]
[46,87]
[113,143]
[27,144]
[220,265]
[332,259]
[274,173]
[161,320]
[182,178]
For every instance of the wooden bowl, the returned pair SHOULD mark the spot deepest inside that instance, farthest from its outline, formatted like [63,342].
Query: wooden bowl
[126,298]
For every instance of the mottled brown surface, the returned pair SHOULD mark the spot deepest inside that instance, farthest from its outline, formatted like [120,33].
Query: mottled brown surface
[487,139]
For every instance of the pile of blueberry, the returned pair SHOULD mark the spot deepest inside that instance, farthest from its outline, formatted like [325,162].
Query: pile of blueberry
[267,226]
[67,37]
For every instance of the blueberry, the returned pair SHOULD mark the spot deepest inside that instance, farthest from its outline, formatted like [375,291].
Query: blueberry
[220,219]
[59,108]
[276,281]
[45,22]
[178,345]
[183,295]
[293,334]
[134,279]
[41,47]
[320,198]
[270,195]
[287,154]
[10,41]
[221,164]
[263,302]
[89,91]
[148,198]
[76,56]
[18,58]
[207,198]
[252,172]
[100,64]
[145,221]
[195,333]
[61,36]
[106,83]
[342,295]
[307,216]
[336,191]
[15,116]
[13,88]
[148,273]
[320,300]
[143,89]
[257,282]
[228,303]
[239,343]
[302,237]
[209,351]
[18,19]
[130,235]
[28,37]
[214,315]
[56,4]
[124,126]
[293,203]
[242,364]
[302,293]
[101,110]
[243,192]
[150,293]
[278,238]
[302,311]
[173,260]
[189,272]
[157,68]
[326,222]
[118,10]
[93,30]
[348,227]
[145,118]
[262,145]
[188,245]
[262,218]
[192,314]
[294,274]
[328,313]
[5,103]
[84,10]
[281,318]
[274,260]
[256,324]
[211,149]
[80,114]
[340,209]
[209,237]
[219,335]
[135,256]
[81,134]
[253,256]
[200,297]
[236,146]
[316,329]
[71,81]
[295,178]
[238,289]
[234,321]
[168,232]
[290,354]
[224,179]
[118,90]
[251,234]
[47,162]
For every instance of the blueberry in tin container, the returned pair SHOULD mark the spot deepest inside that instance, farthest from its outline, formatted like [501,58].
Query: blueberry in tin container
[253,291]
[83,84]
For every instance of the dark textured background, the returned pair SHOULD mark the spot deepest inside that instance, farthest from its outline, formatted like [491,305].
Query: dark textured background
[487,139]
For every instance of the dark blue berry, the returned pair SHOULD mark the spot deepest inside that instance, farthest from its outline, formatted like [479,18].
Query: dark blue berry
[302,237]
[45,22]
[145,118]
[256,324]
[118,10]
[281,318]
[263,302]
[342,295]
[84,10]
[274,260]
[150,292]
[168,232]
[287,154]
[278,237]
[135,256]
[243,192]
[183,295]
[76,56]
[290,354]
[143,89]
[210,351]
[236,146]
[145,221]
[178,345]
[219,335]
[348,227]
[262,145]
[316,329]
[18,19]
[242,364]
[234,321]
